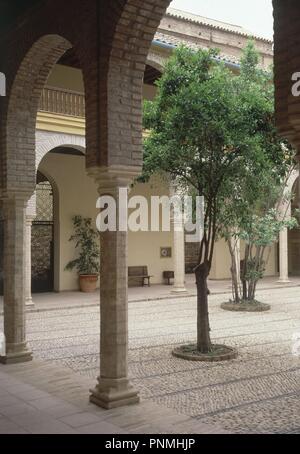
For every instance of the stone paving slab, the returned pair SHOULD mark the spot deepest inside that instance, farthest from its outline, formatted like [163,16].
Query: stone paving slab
[40,398]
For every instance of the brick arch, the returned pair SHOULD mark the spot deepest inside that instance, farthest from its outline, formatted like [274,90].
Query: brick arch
[112,53]
[47,141]
[22,106]
[121,104]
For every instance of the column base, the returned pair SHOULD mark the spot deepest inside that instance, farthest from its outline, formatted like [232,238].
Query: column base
[29,303]
[15,358]
[283,281]
[114,393]
[179,290]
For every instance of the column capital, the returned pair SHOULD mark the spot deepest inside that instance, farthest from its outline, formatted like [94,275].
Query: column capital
[20,197]
[108,179]
[13,203]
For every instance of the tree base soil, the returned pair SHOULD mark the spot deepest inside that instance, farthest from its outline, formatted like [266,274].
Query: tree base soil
[217,353]
[246,306]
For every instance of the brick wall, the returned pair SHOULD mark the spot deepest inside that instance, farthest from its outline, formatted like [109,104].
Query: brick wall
[111,41]
[287,62]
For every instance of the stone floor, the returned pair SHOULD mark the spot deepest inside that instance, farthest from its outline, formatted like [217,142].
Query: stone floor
[41,398]
[259,392]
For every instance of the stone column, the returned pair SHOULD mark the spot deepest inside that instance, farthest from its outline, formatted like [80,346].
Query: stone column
[285,213]
[29,302]
[113,388]
[179,255]
[14,207]
[178,242]
[283,257]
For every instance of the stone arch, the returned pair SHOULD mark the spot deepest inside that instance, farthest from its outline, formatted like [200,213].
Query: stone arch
[47,141]
[22,106]
[56,227]
[156,61]
[292,180]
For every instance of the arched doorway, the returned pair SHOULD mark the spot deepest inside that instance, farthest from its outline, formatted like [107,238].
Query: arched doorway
[42,242]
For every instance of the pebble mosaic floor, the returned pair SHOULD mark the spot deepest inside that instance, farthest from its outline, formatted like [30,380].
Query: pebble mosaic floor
[259,392]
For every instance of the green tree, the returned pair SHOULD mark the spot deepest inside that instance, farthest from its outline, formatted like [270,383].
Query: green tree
[205,129]
[254,212]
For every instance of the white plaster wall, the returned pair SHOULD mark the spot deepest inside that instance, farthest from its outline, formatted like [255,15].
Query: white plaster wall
[144,247]
[71,79]
[222,262]
[78,195]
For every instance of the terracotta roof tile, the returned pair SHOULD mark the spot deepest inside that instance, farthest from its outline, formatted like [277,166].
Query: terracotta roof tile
[213,23]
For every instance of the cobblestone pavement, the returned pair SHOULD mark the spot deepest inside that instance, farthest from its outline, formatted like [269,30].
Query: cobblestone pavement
[259,392]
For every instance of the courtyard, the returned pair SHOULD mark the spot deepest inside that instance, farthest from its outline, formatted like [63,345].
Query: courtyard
[143,99]
[259,392]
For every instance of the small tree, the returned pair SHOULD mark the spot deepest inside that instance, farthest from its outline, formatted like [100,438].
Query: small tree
[254,213]
[87,243]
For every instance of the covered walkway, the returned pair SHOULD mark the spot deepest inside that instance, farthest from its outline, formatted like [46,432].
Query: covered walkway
[64,300]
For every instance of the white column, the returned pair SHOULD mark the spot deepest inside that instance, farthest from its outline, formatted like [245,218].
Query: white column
[113,388]
[28,300]
[179,257]
[283,257]
[285,213]
[178,243]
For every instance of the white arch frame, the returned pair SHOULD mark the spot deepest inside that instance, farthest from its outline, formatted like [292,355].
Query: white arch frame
[45,142]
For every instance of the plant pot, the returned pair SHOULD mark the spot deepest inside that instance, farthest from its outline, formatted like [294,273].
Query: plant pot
[88,282]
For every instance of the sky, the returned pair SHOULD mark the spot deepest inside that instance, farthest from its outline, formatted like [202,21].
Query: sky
[254,15]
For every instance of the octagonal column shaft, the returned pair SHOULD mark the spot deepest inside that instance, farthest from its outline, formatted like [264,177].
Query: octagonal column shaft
[285,213]
[14,208]
[283,256]
[179,256]
[113,388]
[178,243]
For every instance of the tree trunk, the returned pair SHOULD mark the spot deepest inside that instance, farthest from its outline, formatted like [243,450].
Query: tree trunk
[244,272]
[203,328]
[234,274]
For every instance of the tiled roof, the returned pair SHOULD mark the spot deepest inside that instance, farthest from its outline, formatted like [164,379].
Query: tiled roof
[212,23]
[173,41]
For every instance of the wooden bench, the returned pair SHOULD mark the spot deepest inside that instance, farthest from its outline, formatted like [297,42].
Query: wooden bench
[138,275]
[168,275]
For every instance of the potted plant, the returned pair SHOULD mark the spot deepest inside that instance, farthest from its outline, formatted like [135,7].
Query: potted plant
[87,263]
